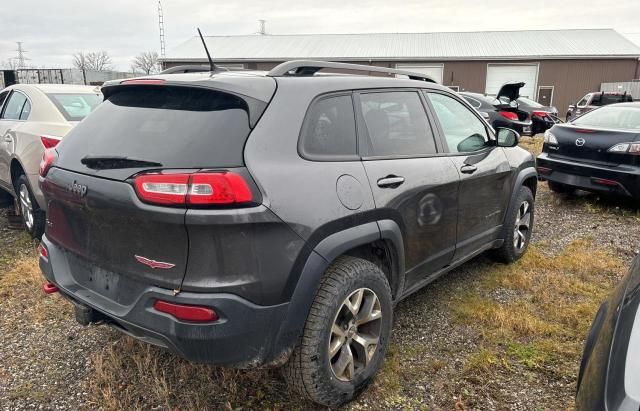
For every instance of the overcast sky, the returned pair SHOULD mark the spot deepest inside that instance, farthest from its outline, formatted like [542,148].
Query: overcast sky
[51,31]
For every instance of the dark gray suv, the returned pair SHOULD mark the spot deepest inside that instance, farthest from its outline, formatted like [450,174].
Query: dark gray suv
[267,219]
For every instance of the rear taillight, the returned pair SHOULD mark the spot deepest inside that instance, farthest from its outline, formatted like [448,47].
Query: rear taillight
[193,313]
[47,160]
[626,148]
[540,114]
[49,141]
[509,115]
[205,188]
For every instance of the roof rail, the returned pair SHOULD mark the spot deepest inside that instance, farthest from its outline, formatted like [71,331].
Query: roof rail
[186,69]
[311,67]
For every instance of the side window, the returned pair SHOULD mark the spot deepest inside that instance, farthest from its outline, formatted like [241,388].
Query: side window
[583,102]
[3,97]
[463,131]
[14,106]
[329,129]
[396,124]
[26,110]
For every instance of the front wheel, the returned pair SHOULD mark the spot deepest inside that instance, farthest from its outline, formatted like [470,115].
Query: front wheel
[346,334]
[32,215]
[518,225]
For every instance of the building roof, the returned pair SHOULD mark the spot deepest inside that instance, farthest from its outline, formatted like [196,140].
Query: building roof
[509,45]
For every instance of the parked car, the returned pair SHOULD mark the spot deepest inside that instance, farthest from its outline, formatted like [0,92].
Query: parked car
[594,100]
[542,117]
[241,218]
[502,111]
[609,377]
[34,117]
[599,151]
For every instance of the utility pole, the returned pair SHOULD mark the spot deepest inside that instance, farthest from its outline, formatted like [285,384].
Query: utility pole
[161,25]
[20,58]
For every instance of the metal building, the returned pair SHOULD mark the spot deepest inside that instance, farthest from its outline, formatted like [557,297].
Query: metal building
[558,66]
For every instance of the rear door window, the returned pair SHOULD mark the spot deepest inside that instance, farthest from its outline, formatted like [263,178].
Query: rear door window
[329,130]
[26,110]
[14,106]
[178,127]
[396,124]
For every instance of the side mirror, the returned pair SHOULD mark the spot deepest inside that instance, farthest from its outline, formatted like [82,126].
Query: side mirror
[507,137]
[472,143]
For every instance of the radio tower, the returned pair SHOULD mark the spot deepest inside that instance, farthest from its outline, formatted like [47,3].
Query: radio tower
[20,59]
[161,25]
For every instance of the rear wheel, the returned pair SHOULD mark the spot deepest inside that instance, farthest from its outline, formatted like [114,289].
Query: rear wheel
[560,188]
[518,225]
[346,334]
[32,215]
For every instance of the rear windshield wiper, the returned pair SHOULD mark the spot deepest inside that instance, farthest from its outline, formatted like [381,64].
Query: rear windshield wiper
[114,162]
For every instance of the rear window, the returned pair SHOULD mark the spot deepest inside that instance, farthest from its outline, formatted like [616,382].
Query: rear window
[75,107]
[625,118]
[178,127]
[329,130]
[529,102]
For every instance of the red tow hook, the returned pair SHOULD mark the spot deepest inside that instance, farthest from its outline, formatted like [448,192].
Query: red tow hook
[49,288]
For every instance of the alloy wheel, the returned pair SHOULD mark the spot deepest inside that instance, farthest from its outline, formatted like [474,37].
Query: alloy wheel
[522,226]
[355,334]
[26,207]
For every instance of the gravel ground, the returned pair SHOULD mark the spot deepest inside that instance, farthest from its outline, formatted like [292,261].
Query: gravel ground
[47,365]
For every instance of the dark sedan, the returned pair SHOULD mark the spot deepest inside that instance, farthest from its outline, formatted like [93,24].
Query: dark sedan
[502,110]
[609,376]
[542,117]
[599,151]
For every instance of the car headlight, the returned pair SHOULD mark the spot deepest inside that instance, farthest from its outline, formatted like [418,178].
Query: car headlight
[549,138]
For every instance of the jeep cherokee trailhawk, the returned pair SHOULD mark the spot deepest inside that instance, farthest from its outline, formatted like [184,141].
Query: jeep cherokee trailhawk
[265,219]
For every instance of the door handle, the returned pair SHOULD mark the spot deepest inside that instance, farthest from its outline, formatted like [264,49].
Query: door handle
[390,181]
[468,169]
[8,139]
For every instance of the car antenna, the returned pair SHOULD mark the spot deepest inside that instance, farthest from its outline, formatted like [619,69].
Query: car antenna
[213,66]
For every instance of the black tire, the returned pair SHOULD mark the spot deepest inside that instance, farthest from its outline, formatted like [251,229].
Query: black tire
[560,188]
[34,225]
[309,369]
[515,245]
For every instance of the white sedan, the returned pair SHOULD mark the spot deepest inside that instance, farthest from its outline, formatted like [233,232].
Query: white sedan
[34,117]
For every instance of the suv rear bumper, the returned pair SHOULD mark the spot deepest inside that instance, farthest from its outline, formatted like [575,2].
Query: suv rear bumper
[584,175]
[244,335]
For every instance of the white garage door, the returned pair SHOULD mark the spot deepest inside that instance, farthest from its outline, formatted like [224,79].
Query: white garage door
[497,75]
[432,70]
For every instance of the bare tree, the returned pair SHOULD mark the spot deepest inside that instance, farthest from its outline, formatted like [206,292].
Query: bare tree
[10,64]
[147,62]
[80,60]
[98,60]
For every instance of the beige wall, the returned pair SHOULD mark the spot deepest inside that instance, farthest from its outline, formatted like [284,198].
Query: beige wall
[571,79]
